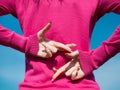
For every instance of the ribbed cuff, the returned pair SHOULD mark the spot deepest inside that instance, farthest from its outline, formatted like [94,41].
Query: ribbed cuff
[85,62]
[92,60]
[32,46]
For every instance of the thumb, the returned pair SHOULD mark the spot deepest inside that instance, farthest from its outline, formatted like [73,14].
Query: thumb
[71,45]
[43,31]
[73,54]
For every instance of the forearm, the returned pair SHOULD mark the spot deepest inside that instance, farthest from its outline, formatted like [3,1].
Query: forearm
[28,45]
[91,60]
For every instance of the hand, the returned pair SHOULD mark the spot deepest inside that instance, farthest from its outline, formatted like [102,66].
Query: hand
[71,69]
[49,47]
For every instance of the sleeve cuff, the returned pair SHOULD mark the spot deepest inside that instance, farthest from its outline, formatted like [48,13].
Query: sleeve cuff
[85,62]
[32,46]
[91,60]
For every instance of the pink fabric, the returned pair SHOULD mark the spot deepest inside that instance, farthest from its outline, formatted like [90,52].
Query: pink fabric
[72,22]
[95,58]
[23,44]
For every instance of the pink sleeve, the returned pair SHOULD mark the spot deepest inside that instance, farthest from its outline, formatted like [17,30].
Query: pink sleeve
[106,6]
[28,45]
[7,7]
[93,59]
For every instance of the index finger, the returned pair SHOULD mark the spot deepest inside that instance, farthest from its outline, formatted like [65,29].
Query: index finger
[44,29]
[61,70]
[63,47]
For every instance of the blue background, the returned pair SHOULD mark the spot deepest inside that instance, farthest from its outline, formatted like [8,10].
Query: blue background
[12,62]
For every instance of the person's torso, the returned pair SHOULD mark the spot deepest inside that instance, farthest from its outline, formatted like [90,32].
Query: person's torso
[72,22]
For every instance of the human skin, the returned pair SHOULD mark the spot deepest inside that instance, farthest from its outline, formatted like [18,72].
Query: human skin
[49,47]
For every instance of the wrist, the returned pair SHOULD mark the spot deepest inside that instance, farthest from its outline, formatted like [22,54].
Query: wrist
[32,46]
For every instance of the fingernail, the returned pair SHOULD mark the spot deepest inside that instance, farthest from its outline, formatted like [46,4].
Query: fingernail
[52,80]
[74,44]
[67,74]
[54,69]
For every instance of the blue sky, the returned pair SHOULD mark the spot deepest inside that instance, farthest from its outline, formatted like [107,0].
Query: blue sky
[12,62]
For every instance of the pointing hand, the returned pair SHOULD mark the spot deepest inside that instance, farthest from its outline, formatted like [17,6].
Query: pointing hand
[49,47]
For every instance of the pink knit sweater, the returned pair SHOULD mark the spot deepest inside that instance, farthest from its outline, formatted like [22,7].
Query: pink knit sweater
[72,22]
